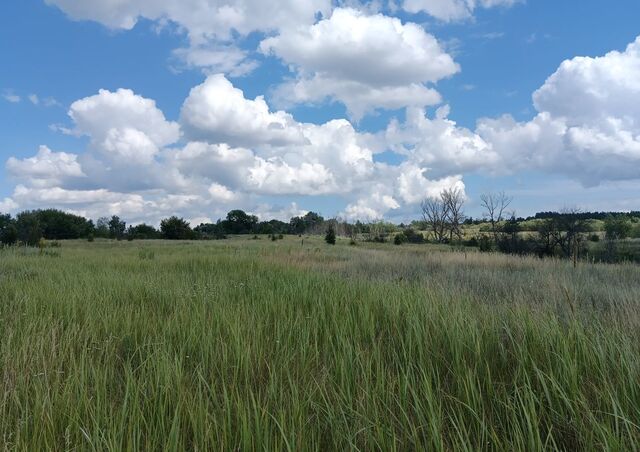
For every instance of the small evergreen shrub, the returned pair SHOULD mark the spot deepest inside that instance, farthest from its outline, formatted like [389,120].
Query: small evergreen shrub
[330,236]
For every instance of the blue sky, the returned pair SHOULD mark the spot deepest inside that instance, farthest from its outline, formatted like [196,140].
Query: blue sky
[546,157]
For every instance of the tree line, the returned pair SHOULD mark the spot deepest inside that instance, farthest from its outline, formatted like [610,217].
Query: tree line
[30,226]
[558,234]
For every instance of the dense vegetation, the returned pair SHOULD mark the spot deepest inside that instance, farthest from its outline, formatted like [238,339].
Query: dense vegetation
[297,345]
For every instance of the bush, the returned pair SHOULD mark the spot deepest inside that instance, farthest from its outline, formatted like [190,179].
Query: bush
[484,243]
[330,236]
[472,242]
[142,232]
[594,238]
[399,239]
[90,238]
[412,236]
[617,227]
[378,238]
[9,236]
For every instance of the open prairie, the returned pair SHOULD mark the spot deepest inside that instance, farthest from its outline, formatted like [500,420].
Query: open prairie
[246,344]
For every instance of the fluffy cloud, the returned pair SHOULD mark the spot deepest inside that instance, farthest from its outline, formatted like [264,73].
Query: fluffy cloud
[220,193]
[97,116]
[450,10]
[276,176]
[217,112]
[376,50]
[359,98]
[128,134]
[267,152]
[122,171]
[46,168]
[213,162]
[200,18]
[588,90]
[397,188]
[439,144]
[371,207]
[588,126]
[364,61]
[207,23]
[412,187]
[333,160]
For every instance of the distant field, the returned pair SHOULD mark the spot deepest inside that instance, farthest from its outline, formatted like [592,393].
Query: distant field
[246,344]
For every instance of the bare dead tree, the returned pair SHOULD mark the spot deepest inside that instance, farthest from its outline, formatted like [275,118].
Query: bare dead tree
[453,199]
[435,213]
[495,206]
[444,214]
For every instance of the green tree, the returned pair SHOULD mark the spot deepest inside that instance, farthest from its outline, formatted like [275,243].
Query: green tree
[142,232]
[617,227]
[59,225]
[309,222]
[239,222]
[29,228]
[208,231]
[175,228]
[102,228]
[116,227]
[8,230]
[330,236]
[272,227]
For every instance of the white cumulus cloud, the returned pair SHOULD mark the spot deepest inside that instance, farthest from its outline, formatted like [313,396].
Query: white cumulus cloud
[588,125]
[364,61]
[46,168]
[97,115]
[218,112]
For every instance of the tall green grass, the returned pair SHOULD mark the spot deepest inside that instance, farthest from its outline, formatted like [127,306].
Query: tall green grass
[259,345]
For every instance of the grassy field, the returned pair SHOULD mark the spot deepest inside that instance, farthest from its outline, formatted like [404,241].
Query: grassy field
[258,345]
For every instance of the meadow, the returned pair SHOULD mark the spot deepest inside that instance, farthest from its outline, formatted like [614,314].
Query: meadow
[296,345]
